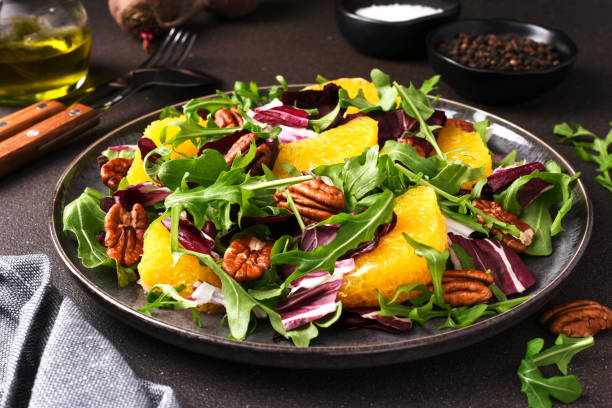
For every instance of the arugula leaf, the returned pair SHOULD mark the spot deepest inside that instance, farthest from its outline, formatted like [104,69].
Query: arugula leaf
[361,175]
[190,130]
[355,229]
[408,156]
[321,79]
[436,262]
[538,388]
[387,95]
[319,125]
[204,169]
[454,174]
[122,154]
[508,160]
[466,261]
[537,216]
[84,218]
[394,180]
[595,151]
[166,296]
[169,112]
[482,129]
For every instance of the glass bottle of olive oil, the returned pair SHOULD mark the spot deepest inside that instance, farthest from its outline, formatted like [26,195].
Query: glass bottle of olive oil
[42,56]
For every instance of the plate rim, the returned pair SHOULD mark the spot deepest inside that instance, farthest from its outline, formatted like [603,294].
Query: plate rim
[471,332]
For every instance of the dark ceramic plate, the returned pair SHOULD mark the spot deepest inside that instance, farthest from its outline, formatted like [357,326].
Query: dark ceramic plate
[335,348]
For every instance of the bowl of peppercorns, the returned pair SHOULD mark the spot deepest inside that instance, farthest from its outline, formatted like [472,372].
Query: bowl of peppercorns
[500,61]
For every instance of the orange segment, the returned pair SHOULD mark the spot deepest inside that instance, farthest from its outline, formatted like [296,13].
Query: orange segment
[136,173]
[352,86]
[394,262]
[329,147]
[466,146]
[156,266]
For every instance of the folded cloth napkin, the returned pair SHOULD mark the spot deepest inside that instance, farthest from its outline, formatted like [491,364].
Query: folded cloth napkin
[50,356]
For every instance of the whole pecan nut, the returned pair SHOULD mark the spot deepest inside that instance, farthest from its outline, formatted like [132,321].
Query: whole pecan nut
[113,171]
[466,287]
[314,200]
[247,258]
[124,233]
[578,318]
[228,118]
[496,211]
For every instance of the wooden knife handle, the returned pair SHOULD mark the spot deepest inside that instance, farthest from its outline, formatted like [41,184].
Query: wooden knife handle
[22,119]
[33,142]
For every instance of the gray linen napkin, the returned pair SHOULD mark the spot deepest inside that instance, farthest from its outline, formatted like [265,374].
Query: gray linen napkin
[50,356]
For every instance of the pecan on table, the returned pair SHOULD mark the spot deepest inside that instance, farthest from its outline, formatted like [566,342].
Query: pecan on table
[314,200]
[247,258]
[496,211]
[228,118]
[125,233]
[113,171]
[579,318]
[465,288]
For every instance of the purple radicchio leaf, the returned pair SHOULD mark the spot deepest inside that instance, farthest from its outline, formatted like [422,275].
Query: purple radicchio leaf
[509,271]
[324,100]
[223,145]
[190,237]
[503,177]
[313,296]
[146,145]
[119,148]
[285,115]
[291,134]
[530,192]
[371,319]
[146,193]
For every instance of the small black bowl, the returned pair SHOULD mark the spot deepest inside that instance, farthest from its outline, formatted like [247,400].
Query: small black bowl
[402,39]
[497,86]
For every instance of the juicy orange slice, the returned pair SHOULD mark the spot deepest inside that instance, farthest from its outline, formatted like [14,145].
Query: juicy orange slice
[329,147]
[394,262]
[461,144]
[156,266]
[136,173]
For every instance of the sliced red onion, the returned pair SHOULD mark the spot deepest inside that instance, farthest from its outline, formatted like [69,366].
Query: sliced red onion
[190,237]
[371,319]
[205,293]
[503,177]
[509,271]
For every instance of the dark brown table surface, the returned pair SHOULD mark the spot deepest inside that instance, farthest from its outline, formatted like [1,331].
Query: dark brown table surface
[300,40]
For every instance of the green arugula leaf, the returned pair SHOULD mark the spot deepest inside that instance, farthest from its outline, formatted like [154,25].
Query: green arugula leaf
[538,388]
[468,220]
[595,150]
[321,79]
[537,216]
[460,317]
[436,262]
[408,156]
[191,108]
[387,95]
[319,125]
[466,261]
[355,229]
[84,218]
[169,112]
[508,160]
[361,175]
[204,169]
[430,84]
[166,296]
[189,130]
[482,128]
[119,154]
[394,180]
[454,174]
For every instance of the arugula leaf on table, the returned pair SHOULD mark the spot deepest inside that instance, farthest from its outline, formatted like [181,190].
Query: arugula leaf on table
[595,150]
[538,388]
[84,218]
[355,229]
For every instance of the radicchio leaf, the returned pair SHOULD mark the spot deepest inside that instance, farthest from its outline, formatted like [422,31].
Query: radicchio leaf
[146,193]
[130,148]
[223,145]
[371,319]
[369,246]
[146,145]
[531,191]
[503,177]
[324,101]
[313,296]
[285,115]
[205,293]
[509,271]
[190,237]
[291,134]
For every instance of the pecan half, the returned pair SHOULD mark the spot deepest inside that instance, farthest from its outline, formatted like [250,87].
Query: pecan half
[125,233]
[314,200]
[496,211]
[113,171]
[579,318]
[265,154]
[240,146]
[465,287]
[227,118]
[247,258]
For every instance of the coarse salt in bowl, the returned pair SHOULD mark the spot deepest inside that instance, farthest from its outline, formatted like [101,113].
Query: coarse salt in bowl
[392,28]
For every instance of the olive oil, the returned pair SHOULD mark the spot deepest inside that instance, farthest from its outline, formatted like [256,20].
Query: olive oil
[39,63]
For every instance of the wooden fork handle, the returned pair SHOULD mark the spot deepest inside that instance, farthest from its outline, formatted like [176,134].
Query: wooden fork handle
[33,142]
[22,119]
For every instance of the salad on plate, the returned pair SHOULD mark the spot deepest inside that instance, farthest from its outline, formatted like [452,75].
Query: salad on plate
[351,203]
